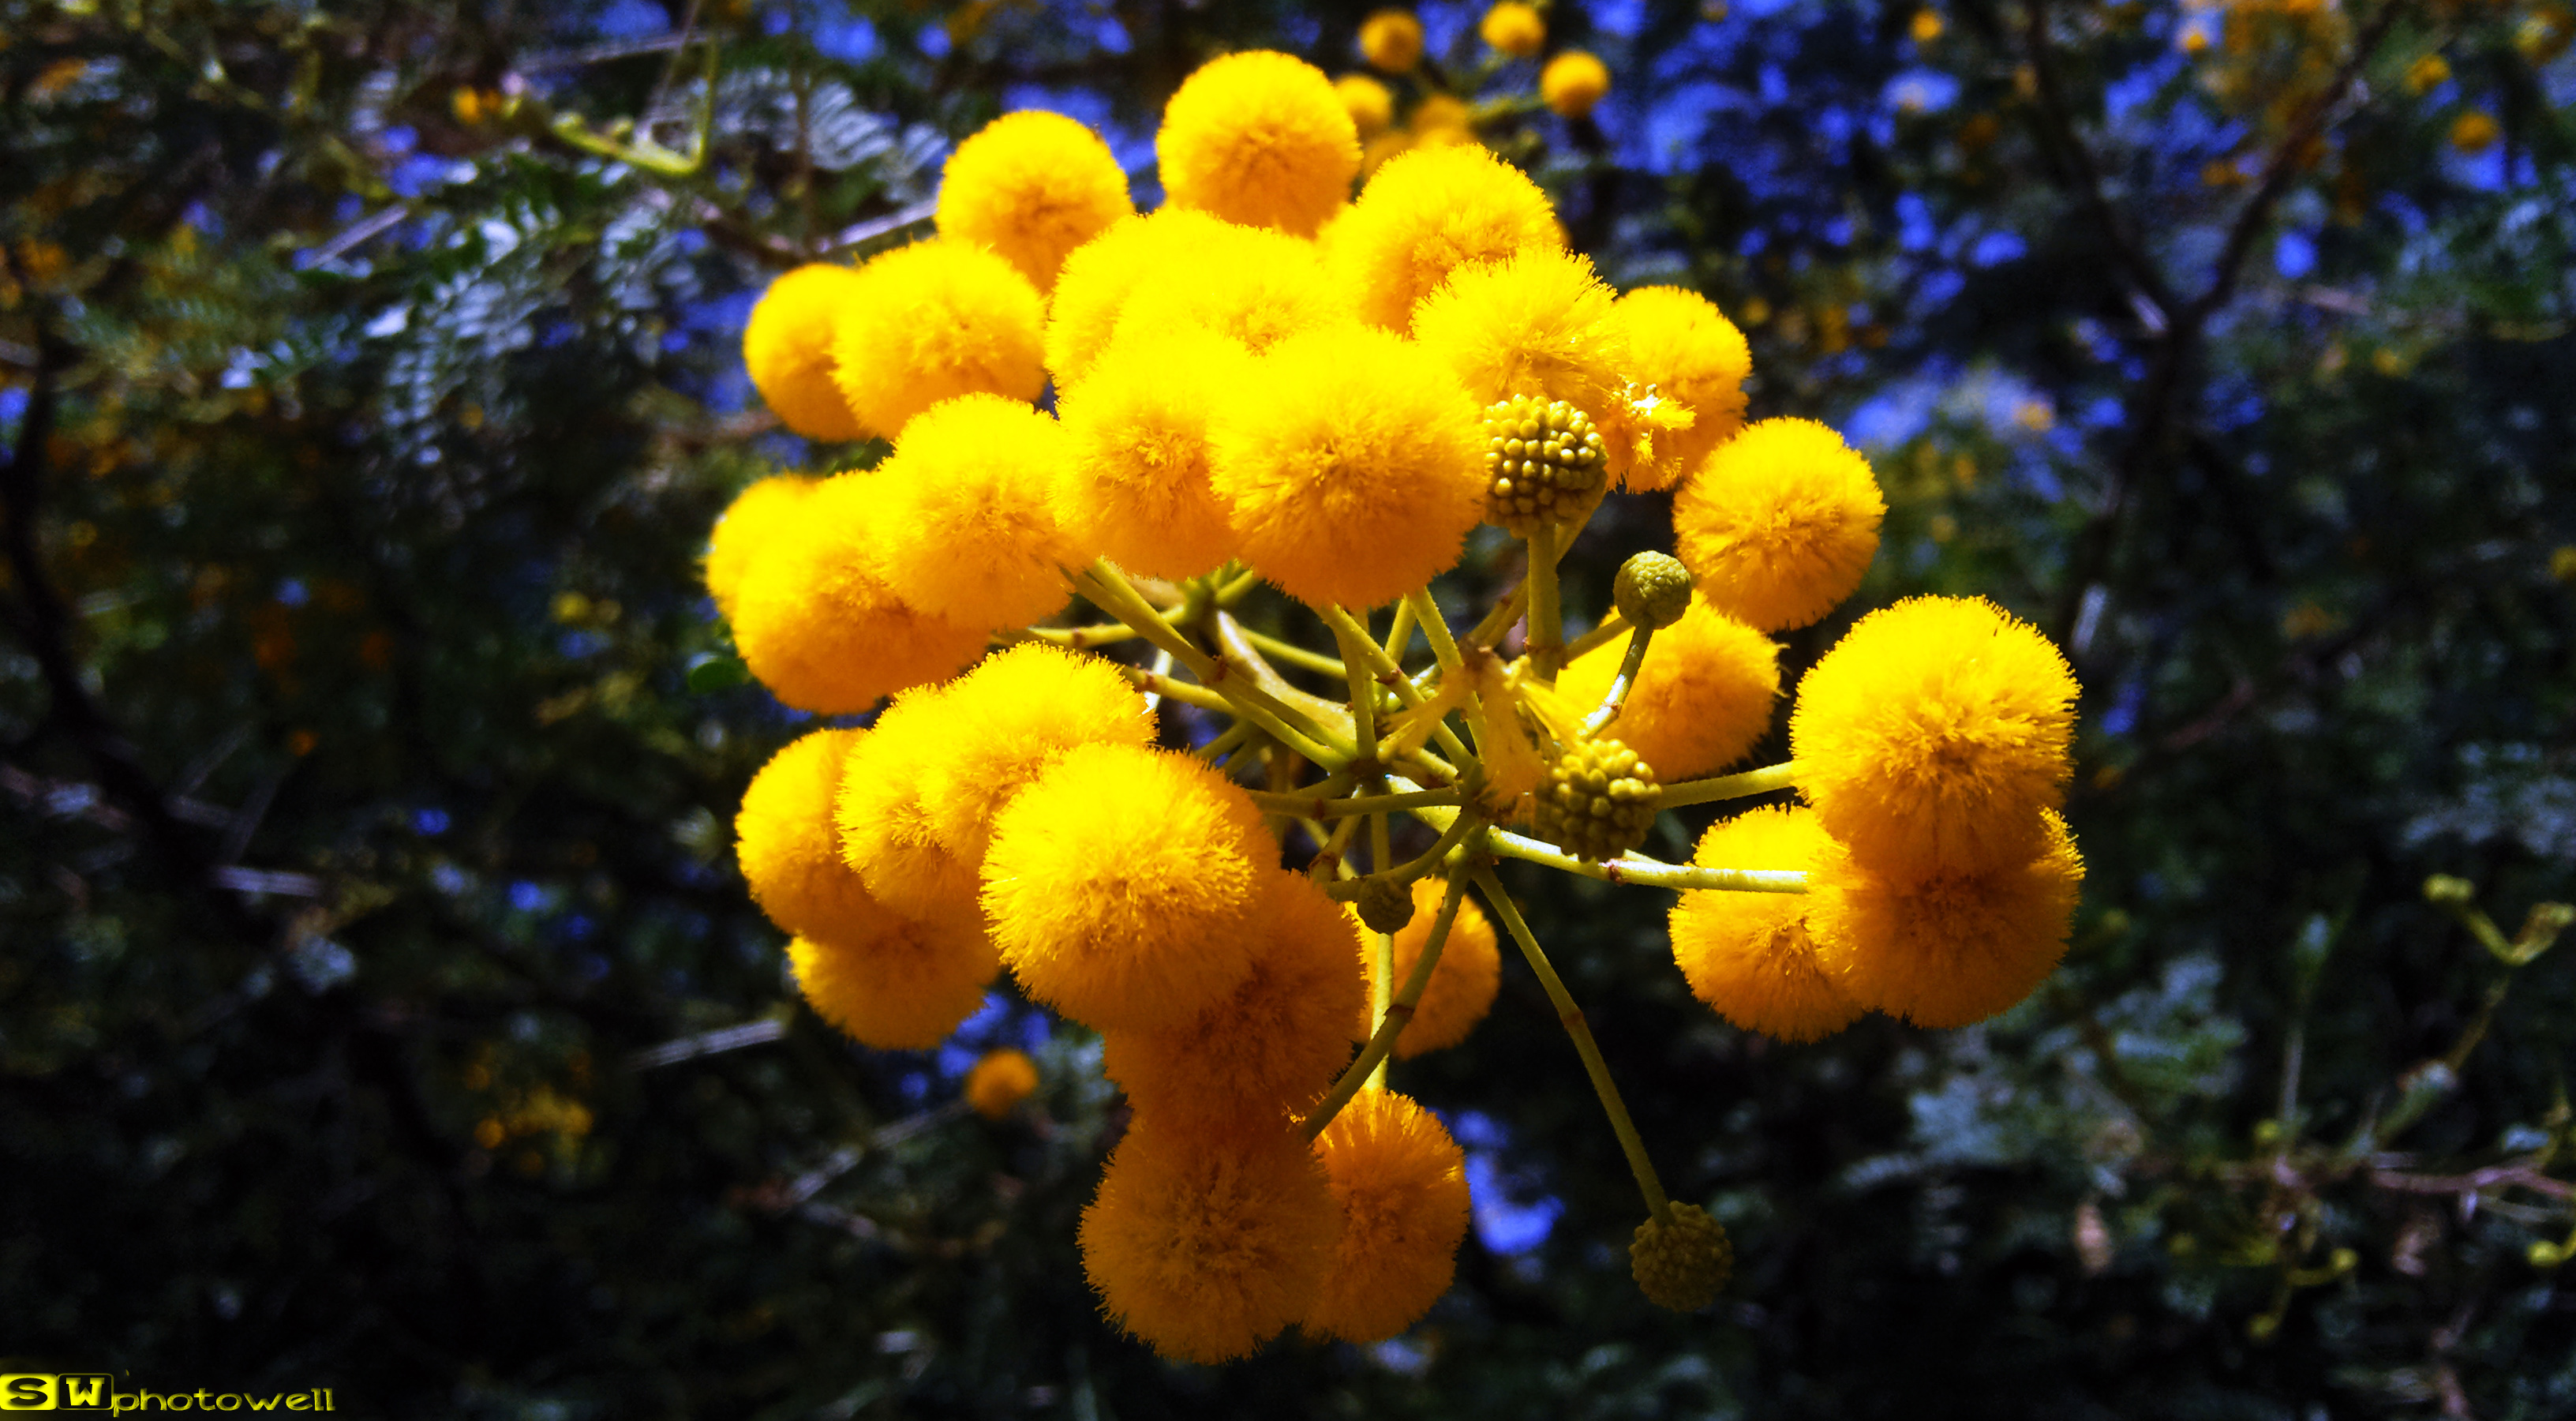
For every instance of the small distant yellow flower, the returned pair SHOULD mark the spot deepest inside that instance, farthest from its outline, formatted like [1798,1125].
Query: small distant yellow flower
[2427,73]
[1952,949]
[1401,1185]
[1004,722]
[1461,990]
[1780,523]
[1442,118]
[1426,214]
[1701,700]
[784,837]
[1926,25]
[1207,1246]
[1272,1044]
[2475,131]
[1135,479]
[2562,562]
[2035,416]
[1749,955]
[1149,936]
[787,346]
[757,515]
[1513,28]
[1259,138]
[1351,467]
[2195,40]
[1391,41]
[1104,272]
[1933,734]
[965,530]
[930,322]
[885,829]
[999,1080]
[1371,107]
[1032,186]
[1574,83]
[1680,347]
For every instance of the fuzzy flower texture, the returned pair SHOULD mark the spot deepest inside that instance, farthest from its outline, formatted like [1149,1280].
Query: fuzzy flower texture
[1293,375]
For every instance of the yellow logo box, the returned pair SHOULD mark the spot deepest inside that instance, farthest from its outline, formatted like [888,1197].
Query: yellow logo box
[56,1391]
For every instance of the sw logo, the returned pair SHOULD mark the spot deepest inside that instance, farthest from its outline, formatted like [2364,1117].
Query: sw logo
[56,1391]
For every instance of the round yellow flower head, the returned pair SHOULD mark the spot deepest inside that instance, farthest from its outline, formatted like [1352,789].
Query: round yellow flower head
[755,517]
[1149,935]
[885,828]
[1701,700]
[1204,1246]
[930,322]
[967,529]
[1537,322]
[1351,467]
[902,985]
[1250,284]
[1391,41]
[1461,990]
[1513,28]
[1134,482]
[999,1080]
[1681,1265]
[1686,352]
[1932,734]
[817,623]
[2475,131]
[1032,186]
[1007,720]
[1426,214]
[1780,523]
[787,345]
[1271,1045]
[1259,138]
[1401,1183]
[1103,272]
[1574,83]
[1371,107]
[790,853]
[1951,949]
[1442,119]
[1749,955]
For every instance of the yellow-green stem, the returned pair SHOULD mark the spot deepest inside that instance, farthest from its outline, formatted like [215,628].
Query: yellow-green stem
[1620,684]
[1654,873]
[1351,635]
[1382,981]
[1317,801]
[1071,638]
[1546,621]
[1490,631]
[1109,589]
[1292,653]
[1751,782]
[1457,833]
[1435,628]
[1584,1046]
[1610,629]
[1399,1010]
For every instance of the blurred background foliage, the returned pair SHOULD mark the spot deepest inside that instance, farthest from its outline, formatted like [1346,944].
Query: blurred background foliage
[380,1008]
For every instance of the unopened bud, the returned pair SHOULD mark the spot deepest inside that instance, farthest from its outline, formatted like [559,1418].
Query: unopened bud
[1651,590]
[1681,1264]
[1597,802]
[1385,905]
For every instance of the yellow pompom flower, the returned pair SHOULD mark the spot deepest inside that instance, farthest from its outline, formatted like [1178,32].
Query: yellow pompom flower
[1948,950]
[1779,524]
[1032,186]
[755,517]
[1701,700]
[885,829]
[967,531]
[1103,272]
[783,836]
[1008,719]
[1143,935]
[1574,83]
[1933,734]
[1249,284]
[1513,28]
[1401,1183]
[1682,349]
[1538,322]
[1205,1247]
[787,345]
[1259,138]
[933,321]
[1391,41]
[1371,107]
[1461,990]
[815,620]
[1270,1046]
[898,984]
[1749,955]
[2475,131]
[1442,118]
[1134,482]
[1426,214]
[999,1080]
[1351,467]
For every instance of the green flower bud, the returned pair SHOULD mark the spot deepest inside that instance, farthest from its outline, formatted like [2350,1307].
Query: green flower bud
[1651,590]
[1384,904]
[1681,1265]
[1598,800]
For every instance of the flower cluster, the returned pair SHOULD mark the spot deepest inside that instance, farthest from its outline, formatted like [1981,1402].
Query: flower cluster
[1269,381]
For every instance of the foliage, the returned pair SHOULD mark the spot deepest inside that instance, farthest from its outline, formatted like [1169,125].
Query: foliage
[368,391]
